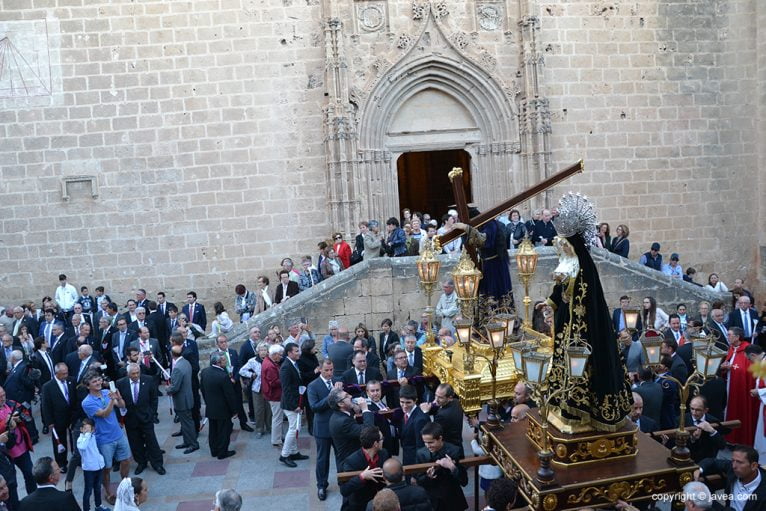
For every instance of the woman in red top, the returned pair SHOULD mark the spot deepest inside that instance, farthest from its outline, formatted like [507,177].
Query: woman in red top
[343,249]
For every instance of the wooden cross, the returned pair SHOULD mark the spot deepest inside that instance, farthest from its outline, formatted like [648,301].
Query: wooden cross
[483,218]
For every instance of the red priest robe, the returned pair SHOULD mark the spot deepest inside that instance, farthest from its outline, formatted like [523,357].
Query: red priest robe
[740,404]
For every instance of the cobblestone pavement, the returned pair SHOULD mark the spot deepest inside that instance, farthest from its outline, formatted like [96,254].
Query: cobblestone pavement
[255,472]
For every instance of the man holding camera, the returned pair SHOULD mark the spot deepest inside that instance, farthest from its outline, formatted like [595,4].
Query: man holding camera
[99,405]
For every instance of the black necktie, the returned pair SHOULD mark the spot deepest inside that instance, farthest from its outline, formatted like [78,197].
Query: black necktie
[329,385]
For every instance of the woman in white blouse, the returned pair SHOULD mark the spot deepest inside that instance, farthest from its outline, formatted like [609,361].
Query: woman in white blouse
[652,316]
[715,284]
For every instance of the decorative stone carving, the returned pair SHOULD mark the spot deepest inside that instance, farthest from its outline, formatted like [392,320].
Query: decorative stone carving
[380,64]
[419,10]
[440,9]
[490,16]
[371,16]
[404,41]
[487,61]
[460,40]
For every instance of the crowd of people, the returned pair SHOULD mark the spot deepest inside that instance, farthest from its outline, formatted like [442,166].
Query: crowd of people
[97,374]
[98,370]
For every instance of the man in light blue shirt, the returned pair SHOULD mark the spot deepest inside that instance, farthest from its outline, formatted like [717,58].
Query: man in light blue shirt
[673,269]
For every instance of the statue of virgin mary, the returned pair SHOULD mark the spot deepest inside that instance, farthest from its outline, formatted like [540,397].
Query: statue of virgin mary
[601,399]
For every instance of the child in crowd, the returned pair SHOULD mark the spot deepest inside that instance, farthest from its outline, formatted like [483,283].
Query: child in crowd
[92,465]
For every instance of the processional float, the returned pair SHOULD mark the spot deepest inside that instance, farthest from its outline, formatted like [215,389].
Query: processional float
[577,449]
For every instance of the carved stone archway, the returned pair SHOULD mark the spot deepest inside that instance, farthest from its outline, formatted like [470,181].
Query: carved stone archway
[488,130]
[505,125]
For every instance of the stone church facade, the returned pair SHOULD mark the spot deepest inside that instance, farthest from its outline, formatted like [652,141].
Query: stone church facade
[192,144]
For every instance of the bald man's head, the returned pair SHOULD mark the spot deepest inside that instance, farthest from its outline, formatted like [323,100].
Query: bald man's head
[393,471]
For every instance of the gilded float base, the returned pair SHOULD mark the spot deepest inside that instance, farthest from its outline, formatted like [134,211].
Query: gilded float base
[583,447]
[596,484]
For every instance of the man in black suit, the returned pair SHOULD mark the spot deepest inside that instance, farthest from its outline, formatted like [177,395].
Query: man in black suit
[744,317]
[58,410]
[47,474]
[670,400]
[414,354]
[411,497]
[402,372]
[194,312]
[341,352]
[233,366]
[122,339]
[387,340]
[18,385]
[719,329]
[741,472]
[716,395]
[163,305]
[141,298]
[220,405]
[360,374]
[58,345]
[705,441]
[46,326]
[246,352]
[290,380]
[358,491]
[134,357]
[645,423]
[21,318]
[286,288]
[79,361]
[678,368]
[618,317]
[674,331]
[447,411]
[318,391]
[651,394]
[442,481]
[41,360]
[171,322]
[140,395]
[410,423]
[383,414]
[344,430]
[158,329]
[372,358]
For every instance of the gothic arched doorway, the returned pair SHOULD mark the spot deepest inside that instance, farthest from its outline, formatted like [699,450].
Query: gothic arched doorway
[423,182]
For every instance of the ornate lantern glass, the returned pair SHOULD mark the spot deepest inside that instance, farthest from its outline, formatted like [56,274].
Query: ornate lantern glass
[496,335]
[631,318]
[652,346]
[526,258]
[508,321]
[577,358]
[535,367]
[518,350]
[708,359]
[428,266]
[466,278]
[463,329]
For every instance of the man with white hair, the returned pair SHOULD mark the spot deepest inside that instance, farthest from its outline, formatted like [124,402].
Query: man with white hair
[140,395]
[271,387]
[544,231]
[140,321]
[78,362]
[447,307]
[18,386]
[227,500]
[697,497]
